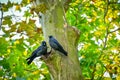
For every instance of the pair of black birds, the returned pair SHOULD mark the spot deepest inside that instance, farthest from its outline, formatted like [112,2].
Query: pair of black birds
[42,49]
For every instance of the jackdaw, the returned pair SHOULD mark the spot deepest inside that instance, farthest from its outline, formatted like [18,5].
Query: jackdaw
[56,45]
[41,50]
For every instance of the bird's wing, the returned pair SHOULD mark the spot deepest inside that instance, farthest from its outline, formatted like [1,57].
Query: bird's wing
[37,51]
[33,55]
[58,44]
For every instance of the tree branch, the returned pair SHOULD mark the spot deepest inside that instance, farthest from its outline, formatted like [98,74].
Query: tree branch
[106,10]
[107,33]
[114,3]
[66,4]
[114,30]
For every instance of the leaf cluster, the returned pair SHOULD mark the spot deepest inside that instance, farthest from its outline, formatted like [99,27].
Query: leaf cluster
[98,22]
[21,37]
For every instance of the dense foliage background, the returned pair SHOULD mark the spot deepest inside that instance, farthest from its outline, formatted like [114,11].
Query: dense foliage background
[98,47]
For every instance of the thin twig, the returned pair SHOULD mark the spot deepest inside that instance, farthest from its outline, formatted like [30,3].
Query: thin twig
[107,33]
[114,3]
[106,11]
[114,30]
[93,73]
[29,70]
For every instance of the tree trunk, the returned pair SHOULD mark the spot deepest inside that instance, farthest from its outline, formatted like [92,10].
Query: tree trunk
[61,67]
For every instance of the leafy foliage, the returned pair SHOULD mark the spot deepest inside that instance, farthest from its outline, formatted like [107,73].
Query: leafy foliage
[98,46]
[99,43]
[21,36]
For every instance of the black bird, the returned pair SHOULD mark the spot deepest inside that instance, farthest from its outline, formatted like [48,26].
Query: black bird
[56,45]
[41,50]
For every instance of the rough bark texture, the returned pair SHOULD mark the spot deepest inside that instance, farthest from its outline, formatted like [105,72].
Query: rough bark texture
[61,67]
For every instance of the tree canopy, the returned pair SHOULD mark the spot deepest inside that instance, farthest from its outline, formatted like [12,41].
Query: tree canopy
[98,47]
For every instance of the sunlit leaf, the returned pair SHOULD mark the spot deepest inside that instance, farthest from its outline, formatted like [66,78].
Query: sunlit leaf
[25,53]
[18,7]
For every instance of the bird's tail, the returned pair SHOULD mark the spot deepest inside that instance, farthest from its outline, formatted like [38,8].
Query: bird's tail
[64,52]
[29,60]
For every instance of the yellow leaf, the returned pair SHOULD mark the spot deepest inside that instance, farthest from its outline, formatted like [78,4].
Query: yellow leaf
[8,50]
[97,50]
[28,1]
[75,3]
[14,75]
[118,77]
[17,7]
[16,42]
[102,27]
[97,33]
[44,71]
[118,70]
[36,72]
[25,53]
[99,3]
[87,45]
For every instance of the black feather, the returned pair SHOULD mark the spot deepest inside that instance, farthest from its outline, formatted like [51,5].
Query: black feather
[41,50]
[56,45]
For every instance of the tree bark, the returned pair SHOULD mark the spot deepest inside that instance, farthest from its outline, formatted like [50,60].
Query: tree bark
[53,23]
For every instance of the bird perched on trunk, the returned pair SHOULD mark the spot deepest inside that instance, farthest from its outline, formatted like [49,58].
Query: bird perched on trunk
[41,50]
[56,45]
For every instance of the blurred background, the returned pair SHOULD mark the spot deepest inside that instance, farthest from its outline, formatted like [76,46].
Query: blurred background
[98,47]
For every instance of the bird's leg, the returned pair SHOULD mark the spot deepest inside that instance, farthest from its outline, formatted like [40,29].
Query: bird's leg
[48,53]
